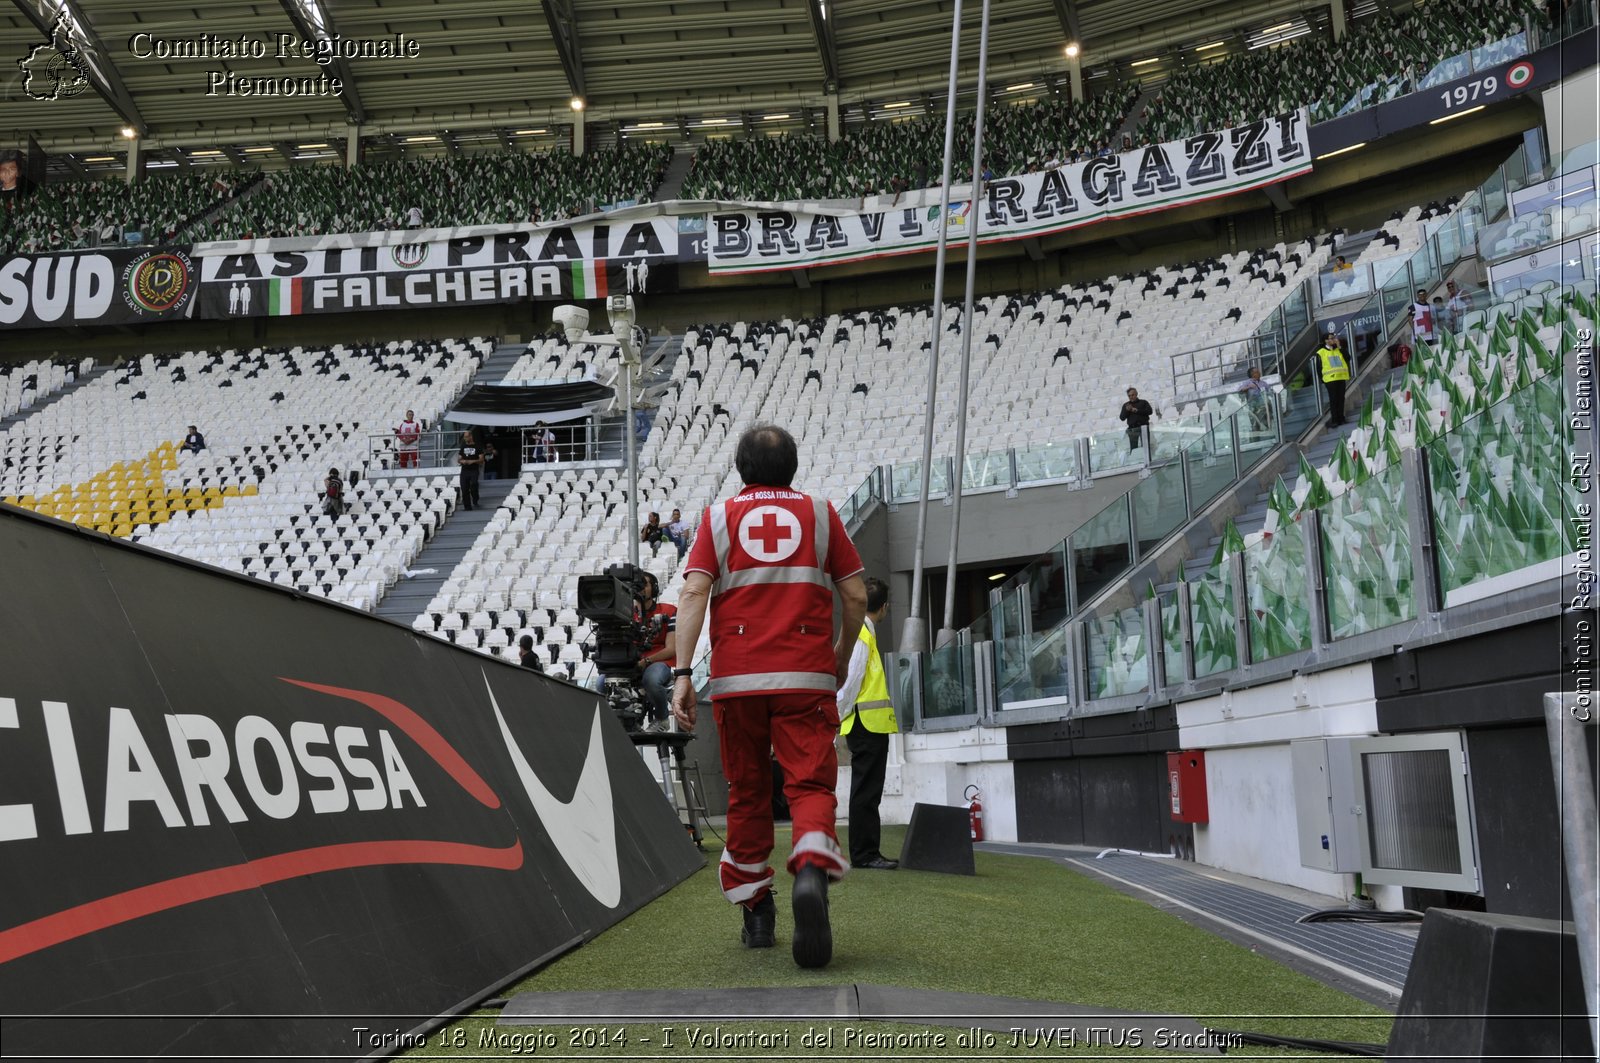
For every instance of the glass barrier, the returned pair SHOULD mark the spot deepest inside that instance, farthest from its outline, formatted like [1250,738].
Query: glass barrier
[1158,506]
[1340,283]
[1500,493]
[1366,556]
[1043,671]
[1053,461]
[1101,550]
[1171,637]
[1118,655]
[1110,452]
[1572,213]
[1209,467]
[1211,619]
[1278,620]
[989,469]
[1494,194]
[908,480]
[949,682]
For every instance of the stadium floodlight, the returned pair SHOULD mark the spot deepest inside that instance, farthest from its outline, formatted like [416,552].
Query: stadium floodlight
[128,132]
[574,322]
[576,103]
[1072,49]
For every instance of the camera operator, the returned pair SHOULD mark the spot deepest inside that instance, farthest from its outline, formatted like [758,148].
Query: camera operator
[660,621]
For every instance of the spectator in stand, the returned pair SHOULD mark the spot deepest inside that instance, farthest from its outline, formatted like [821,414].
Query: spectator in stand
[526,655]
[409,437]
[1422,319]
[544,443]
[1457,306]
[414,218]
[679,532]
[470,458]
[489,456]
[1255,392]
[1136,413]
[1339,264]
[193,441]
[653,533]
[333,494]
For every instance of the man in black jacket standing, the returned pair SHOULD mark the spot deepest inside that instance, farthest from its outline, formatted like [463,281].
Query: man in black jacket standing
[1137,413]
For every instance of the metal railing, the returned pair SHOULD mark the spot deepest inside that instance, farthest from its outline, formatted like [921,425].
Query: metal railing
[437,448]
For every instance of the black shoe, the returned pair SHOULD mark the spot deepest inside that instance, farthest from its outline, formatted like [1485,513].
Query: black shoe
[813,937]
[760,924]
[877,863]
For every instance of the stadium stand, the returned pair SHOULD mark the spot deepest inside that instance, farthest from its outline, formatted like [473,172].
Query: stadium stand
[24,384]
[508,187]
[92,213]
[888,157]
[275,421]
[1381,58]
[1486,403]
[839,385]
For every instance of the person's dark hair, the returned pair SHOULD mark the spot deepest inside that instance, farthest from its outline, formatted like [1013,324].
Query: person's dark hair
[654,590]
[877,594]
[525,643]
[333,472]
[767,455]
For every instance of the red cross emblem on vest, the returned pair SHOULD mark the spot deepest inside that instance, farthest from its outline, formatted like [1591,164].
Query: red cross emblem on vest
[770,533]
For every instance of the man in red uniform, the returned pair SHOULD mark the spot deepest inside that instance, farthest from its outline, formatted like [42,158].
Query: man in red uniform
[767,562]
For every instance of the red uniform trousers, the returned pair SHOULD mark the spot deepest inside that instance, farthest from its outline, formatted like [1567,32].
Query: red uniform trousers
[408,459]
[800,729]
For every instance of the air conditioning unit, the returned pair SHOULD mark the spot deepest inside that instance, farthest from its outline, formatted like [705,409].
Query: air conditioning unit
[1396,808]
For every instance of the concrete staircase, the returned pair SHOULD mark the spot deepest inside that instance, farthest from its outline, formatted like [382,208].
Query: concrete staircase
[1136,113]
[83,380]
[408,598]
[494,368]
[672,180]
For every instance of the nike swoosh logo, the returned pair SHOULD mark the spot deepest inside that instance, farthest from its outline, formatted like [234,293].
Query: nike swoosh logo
[583,829]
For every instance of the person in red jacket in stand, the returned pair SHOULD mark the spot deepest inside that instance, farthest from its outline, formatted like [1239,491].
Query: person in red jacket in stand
[408,435]
[767,562]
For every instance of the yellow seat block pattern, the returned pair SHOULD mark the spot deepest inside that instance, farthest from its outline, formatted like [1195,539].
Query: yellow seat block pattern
[130,493]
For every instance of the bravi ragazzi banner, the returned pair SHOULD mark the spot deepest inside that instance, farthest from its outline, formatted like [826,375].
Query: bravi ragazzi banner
[1155,177]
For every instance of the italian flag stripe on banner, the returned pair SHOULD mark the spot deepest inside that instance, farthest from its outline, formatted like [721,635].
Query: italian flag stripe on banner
[589,279]
[283,297]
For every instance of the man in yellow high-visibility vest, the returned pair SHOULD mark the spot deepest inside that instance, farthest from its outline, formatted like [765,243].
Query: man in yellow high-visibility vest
[1335,375]
[867,720]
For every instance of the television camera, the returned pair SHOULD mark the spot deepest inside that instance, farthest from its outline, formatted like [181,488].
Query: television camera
[613,604]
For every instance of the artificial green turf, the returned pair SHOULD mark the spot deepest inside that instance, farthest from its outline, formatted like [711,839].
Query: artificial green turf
[1023,927]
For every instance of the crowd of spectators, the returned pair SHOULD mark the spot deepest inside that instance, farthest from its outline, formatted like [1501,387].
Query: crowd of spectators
[503,188]
[75,214]
[882,158]
[1380,58]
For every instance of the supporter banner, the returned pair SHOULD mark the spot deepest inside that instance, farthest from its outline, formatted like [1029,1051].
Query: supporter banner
[586,261]
[1148,179]
[263,826]
[110,287]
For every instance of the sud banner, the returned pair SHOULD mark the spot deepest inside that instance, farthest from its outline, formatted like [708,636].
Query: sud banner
[111,287]
[588,261]
[1156,177]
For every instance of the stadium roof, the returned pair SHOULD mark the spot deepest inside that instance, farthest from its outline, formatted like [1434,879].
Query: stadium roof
[498,69]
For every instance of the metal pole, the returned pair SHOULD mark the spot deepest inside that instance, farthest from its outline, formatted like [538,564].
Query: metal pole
[633,456]
[974,215]
[914,633]
[1564,718]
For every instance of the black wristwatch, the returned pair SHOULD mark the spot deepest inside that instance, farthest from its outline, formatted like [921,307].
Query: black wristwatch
[678,673]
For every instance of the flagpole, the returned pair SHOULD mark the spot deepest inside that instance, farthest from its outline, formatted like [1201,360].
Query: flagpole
[914,633]
[974,216]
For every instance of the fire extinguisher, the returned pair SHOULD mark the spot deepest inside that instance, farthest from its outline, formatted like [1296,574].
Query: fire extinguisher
[974,812]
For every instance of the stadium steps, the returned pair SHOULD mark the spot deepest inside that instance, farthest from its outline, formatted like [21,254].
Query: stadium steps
[1319,452]
[1136,113]
[55,396]
[672,180]
[494,368]
[407,599]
